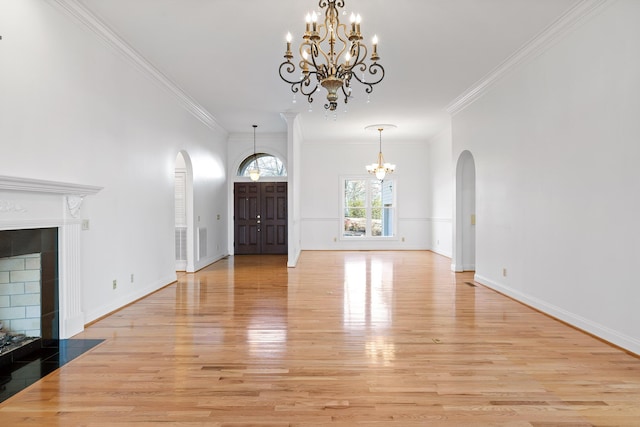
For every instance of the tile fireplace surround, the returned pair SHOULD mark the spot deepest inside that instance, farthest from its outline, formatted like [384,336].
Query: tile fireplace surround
[32,203]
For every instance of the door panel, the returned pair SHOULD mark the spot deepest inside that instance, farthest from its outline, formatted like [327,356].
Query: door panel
[260,218]
[246,210]
[275,218]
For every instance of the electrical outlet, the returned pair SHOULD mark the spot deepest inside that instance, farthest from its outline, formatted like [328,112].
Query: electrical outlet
[115,284]
[131,277]
[504,272]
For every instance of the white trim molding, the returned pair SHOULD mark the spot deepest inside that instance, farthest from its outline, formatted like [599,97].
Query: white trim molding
[573,17]
[42,186]
[615,337]
[92,22]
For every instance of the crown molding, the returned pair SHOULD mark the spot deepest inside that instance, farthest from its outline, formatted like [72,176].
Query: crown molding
[93,23]
[574,16]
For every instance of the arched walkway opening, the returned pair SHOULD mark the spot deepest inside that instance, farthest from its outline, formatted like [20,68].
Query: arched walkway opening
[465,218]
[183,195]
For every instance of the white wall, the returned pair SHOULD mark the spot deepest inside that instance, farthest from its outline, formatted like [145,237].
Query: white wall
[557,153]
[74,110]
[323,163]
[441,192]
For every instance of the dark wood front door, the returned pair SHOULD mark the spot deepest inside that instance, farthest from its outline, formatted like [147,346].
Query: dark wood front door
[260,218]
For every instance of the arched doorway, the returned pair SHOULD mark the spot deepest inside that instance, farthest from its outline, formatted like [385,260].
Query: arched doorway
[183,196]
[260,207]
[465,218]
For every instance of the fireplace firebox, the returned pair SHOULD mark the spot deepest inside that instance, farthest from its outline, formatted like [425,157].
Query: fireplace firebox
[22,298]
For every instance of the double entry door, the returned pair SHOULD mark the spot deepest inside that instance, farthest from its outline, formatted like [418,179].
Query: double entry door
[260,218]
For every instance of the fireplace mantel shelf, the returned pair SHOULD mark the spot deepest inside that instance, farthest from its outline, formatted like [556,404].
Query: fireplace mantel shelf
[44,186]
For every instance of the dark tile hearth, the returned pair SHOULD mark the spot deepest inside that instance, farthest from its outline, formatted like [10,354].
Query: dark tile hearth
[29,368]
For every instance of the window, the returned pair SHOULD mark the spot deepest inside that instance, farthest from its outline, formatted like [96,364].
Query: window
[269,165]
[368,208]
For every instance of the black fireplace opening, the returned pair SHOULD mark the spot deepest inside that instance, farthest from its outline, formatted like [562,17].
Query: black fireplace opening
[40,244]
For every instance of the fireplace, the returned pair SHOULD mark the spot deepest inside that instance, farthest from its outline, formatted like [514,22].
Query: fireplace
[29,303]
[40,220]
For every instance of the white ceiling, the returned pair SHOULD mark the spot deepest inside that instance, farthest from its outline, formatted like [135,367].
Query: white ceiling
[225,54]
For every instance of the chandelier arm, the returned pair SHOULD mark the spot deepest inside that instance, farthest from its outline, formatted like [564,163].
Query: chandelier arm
[374,69]
[346,94]
[343,39]
[323,3]
[307,83]
[298,85]
[289,68]
[305,63]
[361,56]
[314,54]
[316,50]
[369,86]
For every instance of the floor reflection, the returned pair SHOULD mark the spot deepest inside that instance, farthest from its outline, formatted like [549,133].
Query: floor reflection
[368,292]
[367,303]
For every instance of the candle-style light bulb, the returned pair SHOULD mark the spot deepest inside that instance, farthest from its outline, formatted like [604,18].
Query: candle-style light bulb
[288,38]
[374,53]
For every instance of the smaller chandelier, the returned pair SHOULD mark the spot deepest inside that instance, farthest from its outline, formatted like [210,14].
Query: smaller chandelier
[333,55]
[381,168]
[254,172]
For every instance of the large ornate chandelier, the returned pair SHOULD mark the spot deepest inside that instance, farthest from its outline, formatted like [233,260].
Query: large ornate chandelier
[331,56]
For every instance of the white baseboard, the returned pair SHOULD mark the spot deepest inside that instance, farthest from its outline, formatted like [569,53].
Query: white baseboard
[443,253]
[612,336]
[118,303]
[204,262]
[292,260]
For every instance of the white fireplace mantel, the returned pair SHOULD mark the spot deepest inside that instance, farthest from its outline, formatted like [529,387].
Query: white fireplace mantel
[42,186]
[36,203]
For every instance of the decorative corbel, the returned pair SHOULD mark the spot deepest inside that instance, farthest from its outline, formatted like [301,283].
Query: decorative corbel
[73,204]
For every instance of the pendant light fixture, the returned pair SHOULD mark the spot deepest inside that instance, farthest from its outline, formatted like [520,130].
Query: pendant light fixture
[380,169]
[254,172]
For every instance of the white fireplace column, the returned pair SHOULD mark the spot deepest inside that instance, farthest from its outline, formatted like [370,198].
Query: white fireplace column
[31,203]
[69,279]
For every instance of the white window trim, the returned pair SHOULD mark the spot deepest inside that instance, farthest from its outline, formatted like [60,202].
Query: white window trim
[368,195]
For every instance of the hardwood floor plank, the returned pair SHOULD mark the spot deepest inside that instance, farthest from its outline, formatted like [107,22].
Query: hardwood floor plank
[343,339]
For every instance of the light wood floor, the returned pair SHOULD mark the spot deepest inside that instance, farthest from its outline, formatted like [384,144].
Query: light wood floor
[346,338]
